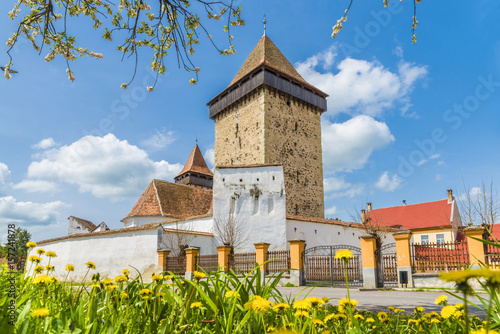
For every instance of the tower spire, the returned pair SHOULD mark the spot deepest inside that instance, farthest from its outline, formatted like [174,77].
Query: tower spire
[264,24]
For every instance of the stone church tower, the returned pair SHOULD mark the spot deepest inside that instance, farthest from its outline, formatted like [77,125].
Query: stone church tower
[270,115]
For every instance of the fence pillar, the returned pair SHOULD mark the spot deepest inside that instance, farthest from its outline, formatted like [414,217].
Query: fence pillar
[223,257]
[162,258]
[261,256]
[403,253]
[191,254]
[369,261]
[297,261]
[476,247]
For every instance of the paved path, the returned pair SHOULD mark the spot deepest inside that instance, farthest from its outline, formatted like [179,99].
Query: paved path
[379,300]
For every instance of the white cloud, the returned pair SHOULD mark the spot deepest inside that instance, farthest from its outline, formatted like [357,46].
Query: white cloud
[45,144]
[338,187]
[360,86]
[435,156]
[348,145]
[388,183]
[331,210]
[209,157]
[159,140]
[104,166]
[4,173]
[29,213]
[36,186]
[398,51]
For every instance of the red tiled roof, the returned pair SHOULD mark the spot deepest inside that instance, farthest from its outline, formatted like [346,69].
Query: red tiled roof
[324,221]
[196,163]
[266,54]
[88,224]
[422,215]
[162,198]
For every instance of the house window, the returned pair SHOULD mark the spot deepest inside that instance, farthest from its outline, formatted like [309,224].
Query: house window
[424,239]
[440,238]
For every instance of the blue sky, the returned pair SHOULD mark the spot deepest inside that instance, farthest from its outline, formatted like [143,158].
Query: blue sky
[404,122]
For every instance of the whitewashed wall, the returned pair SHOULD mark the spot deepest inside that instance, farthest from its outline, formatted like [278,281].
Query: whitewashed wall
[264,217]
[142,220]
[110,252]
[74,227]
[206,243]
[321,234]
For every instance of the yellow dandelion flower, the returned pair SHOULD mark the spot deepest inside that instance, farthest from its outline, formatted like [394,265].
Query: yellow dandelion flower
[248,305]
[38,269]
[359,317]
[419,309]
[261,305]
[232,294]
[120,278]
[483,331]
[459,306]
[413,322]
[315,301]
[156,278]
[40,312]
[49,267]
[124,295]
[54,279]
[343,254]
[107,281]
[398,310]
[50,254]
[280,307]
[199,275]
[42,279]
[435,321]
[111,287]
[441,300]
[161,294]
[329,317]
[382,315]
[460,276]
[167,277]
[145,292]
[196,305]
[70,267]
[34,258]
[90,265]
[125,272]
[301,313]
[326,299]
[40,251]
[318,322]
[448,311]
[95,286]
[31,244]
[390,308]
[271,329]
[340,316]
[370,320]
[302,305]
[457,314]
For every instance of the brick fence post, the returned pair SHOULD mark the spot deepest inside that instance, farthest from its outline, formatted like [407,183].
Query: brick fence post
[296,261]
[369,261]
[223,257]
[476,248]
[191,254]
[261,256]
[403,253]
[162,258]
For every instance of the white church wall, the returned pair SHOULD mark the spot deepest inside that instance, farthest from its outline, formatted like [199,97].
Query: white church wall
[142,220]
[255,196]
[326,234]
[204,242]
[110,252]
[74,227]
[207,243]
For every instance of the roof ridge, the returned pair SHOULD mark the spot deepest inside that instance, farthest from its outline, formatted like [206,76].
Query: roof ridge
[406,205]
[158,198]
[144,197]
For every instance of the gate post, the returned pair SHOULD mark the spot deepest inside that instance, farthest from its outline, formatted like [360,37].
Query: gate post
[261,257]
[223,257]
[296,261]
[369,260]
[476,248]
[191,254]
[162,258]
[403,254]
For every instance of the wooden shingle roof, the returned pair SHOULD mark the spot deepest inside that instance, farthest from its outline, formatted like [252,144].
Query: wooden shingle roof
[87,223]
[196,163]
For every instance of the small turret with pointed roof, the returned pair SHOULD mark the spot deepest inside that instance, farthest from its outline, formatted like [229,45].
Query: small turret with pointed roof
[196,172]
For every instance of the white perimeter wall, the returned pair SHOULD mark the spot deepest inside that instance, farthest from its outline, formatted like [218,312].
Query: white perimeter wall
[206,243]
[264,217]
[110,252]
[320,234]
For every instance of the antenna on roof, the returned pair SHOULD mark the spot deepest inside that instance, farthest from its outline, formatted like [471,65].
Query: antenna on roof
[264,24]
[196,140]
[404,202]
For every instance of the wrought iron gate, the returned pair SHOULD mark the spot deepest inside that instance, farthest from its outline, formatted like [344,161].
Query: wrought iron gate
[387,266]
[321,267]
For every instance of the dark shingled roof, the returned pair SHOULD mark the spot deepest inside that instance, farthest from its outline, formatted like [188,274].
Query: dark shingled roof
[196,163]
[88,224]
[162,198]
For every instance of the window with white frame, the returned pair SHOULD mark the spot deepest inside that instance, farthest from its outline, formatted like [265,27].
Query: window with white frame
[424,239]
[440,238]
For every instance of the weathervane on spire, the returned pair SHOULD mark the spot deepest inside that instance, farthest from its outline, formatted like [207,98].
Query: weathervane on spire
[196,140]
[264,24]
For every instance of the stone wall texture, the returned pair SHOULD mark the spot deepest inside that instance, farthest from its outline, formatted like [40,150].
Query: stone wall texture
[268,127]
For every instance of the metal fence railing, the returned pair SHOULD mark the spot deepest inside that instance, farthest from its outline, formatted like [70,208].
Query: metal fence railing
[176,265]
[242,262]
[278,261]
[207,263]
